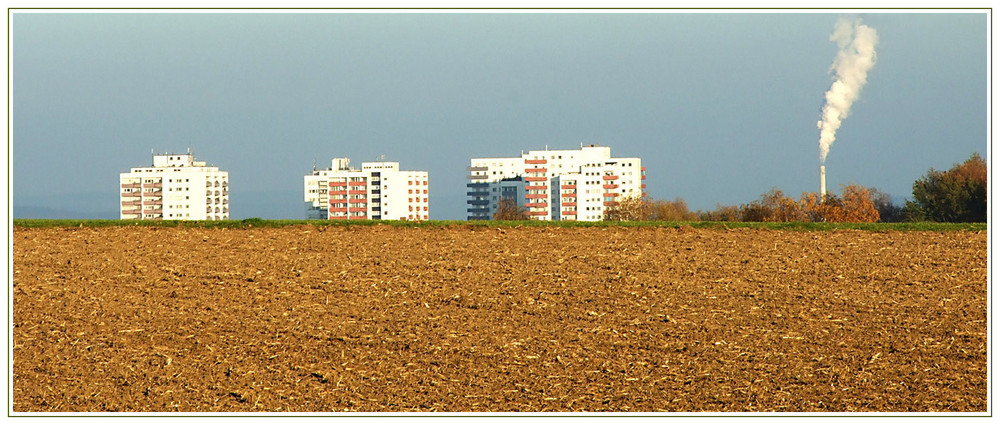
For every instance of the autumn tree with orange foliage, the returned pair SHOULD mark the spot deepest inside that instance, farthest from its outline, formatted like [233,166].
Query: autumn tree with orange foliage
[633,208]
[956,195]
[507,209]
[854,206]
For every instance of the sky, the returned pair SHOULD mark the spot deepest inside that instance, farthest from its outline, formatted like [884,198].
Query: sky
[721,107]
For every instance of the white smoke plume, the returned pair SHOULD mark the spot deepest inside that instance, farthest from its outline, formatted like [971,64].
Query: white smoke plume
[856,56]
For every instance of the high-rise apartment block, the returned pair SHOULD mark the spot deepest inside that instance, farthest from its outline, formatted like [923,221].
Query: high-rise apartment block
[176,187]
[554,184]
[378,191]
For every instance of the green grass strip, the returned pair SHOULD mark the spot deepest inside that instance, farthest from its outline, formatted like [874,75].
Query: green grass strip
[262,223]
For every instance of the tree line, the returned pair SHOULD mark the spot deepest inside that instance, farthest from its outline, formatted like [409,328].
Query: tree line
[955,195]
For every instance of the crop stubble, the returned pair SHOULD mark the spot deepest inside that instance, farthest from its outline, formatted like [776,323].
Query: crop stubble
[388,319]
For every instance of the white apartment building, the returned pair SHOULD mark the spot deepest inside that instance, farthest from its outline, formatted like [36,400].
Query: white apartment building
[378,191]
[176,187]
[574,184]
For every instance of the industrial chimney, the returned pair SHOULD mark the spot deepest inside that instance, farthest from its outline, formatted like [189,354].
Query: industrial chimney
[822,182]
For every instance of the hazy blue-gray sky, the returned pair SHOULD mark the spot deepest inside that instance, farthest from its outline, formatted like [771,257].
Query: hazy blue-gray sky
[721,107]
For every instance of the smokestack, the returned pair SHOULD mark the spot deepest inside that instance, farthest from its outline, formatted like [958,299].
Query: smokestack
[822,182]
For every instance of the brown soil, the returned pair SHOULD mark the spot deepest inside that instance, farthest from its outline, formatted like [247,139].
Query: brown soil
[462,319]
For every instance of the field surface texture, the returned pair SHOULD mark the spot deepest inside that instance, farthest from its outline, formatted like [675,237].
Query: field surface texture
[487,319]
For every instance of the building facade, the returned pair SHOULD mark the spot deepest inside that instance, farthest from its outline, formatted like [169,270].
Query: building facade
[175,187]
[378,191]
[577,184]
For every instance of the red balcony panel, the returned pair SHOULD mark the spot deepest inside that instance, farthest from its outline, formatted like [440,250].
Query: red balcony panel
[536,170]
[569,195]
[536,205]
[357,192]
[610,186]
[536,196]
[337,193]
[568,213]
[358,217]
[612,194]
[643,185]
[610,203]
[643,177]
[335,184]
[536,179]
[357,183]
[335,217]
[131,185]
[150,185]
[130,194]
[568,186]
[537,213]
[537,187]
[609,177]
[642,168]
[333,210]
[358,201]
[535,161]
[569,204]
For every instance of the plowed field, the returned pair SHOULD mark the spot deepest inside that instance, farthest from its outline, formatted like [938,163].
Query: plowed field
[481,319]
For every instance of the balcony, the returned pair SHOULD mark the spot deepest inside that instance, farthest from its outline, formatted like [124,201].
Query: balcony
[131,185]
[535,179]
[610,203]
[535,161]
[478,210]
[609,177]
[537,205]
[568,186]
[152,185]
[477,168]
[131,211]
[536,170]
[568,195]
[568,213]
[477,185]
[611,195]
[610,186]
[478,202]
[537,213]
[362,183]
[536,196]
[337,184]
[357,192]
[130,194]
[337,193]
[482,177]
[536,187]
[477,194]
[158,202]
[131,203]
[569,204]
